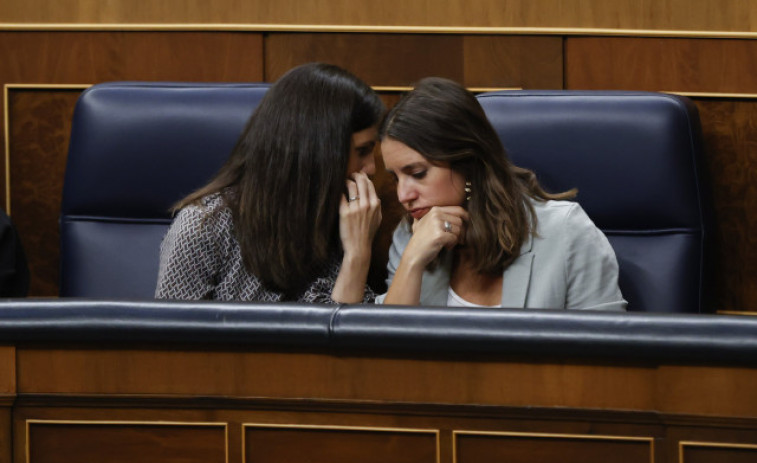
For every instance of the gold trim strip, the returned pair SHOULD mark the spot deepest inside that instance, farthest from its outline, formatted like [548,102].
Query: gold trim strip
[726,445]
[735,96]
[261,27]
[435,432]
[341,428]
[682,444]
[555,435]
[48,86]
[127,422]
[6,131]
[225,425]
[6,125]
[747,313]
[650,440]
[404,88]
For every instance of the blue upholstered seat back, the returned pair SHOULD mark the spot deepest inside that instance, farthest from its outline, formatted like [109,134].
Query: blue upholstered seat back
[136,149]
[634,158]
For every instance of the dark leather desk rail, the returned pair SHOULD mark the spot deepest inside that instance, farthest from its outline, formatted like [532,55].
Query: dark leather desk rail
[655,337]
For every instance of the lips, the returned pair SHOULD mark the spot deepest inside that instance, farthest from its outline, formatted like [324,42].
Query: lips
[419,212]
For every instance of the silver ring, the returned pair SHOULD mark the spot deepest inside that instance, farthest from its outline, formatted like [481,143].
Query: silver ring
[447,226]
[353,198]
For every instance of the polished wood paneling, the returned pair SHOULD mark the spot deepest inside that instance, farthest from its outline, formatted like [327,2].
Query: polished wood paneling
[91,57]
[39,124]
[6,435]
[529,62]
[80,442]
[671,389]
[282,405]
[401,59]
[292,375]
[7,371]
[329,445]
[730,137]
[289,406]
[696,15]
[423,419]
[535,448]
[718,453]
[661,64]
[160,430]
[387,60]
[7,397]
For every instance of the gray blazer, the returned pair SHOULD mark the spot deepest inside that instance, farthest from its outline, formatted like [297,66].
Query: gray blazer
[568,264]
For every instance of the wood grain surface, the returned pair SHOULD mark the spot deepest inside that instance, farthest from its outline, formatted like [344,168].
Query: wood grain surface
[682,15]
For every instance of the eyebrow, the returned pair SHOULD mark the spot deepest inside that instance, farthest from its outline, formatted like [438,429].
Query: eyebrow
[410,167]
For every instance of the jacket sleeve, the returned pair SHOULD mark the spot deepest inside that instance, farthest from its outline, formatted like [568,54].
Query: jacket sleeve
[591,266]
[189,256]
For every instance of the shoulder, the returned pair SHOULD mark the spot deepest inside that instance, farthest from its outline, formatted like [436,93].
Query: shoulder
[565,225]
[204,226]
[210,212]
[565,217]
[563,228]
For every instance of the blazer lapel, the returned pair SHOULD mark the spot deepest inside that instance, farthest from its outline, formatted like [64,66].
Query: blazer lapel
[517,276]
[435,285]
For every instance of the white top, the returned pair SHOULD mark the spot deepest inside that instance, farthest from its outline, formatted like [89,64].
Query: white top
[454,300]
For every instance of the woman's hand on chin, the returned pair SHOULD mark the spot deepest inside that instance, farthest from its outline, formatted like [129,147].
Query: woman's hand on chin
[442,227]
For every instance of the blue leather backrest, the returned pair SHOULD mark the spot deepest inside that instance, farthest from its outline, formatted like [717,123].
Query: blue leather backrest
[136,149]
[634,157]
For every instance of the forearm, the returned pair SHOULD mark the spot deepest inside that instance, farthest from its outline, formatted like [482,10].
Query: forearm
[405,288]
[350,282]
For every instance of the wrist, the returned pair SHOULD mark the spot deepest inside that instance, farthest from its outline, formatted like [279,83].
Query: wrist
[356,258]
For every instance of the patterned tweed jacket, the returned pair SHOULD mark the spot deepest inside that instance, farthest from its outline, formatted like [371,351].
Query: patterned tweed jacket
[201,259]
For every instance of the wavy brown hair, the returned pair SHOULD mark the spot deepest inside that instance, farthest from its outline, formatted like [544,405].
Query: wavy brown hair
[284,178]
[444,122]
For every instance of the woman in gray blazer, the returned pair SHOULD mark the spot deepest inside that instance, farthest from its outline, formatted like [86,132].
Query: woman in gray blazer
[481,231]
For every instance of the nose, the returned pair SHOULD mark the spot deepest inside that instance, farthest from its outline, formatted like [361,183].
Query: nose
[406,193]
[368,166]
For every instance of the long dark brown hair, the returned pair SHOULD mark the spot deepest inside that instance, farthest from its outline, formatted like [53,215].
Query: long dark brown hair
[444,122]
[285,176]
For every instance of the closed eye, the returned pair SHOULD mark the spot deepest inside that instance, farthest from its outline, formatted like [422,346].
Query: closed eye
[366,150]
[419,175]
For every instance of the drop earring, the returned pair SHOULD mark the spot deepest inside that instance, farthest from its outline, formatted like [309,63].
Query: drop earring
[467,191]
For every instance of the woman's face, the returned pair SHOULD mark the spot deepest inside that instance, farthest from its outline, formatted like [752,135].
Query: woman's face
[421,184]
[361,152]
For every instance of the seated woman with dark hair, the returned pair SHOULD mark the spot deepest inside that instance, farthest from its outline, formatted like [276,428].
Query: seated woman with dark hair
[481,231]
[291,215]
